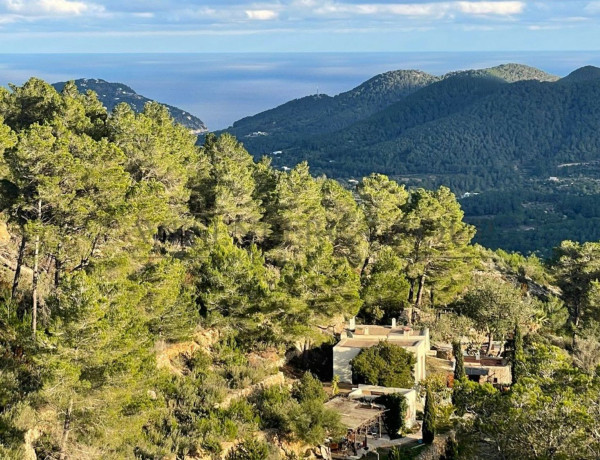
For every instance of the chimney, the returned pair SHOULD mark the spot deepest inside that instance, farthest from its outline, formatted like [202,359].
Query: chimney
[477,356]
[393,323]
[366,330]
[352,324]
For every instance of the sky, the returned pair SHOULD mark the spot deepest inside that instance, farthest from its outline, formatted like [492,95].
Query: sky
[114,26]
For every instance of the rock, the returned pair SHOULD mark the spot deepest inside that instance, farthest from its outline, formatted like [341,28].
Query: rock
[4,235]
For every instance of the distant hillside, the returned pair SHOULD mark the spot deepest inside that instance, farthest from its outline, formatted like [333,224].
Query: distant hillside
[510,73]
[298,121]
[318,114]
[473,132]
[112,94]
[520,146]
[586,73]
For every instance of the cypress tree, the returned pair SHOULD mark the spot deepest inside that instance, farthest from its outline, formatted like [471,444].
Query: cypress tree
[459,368]
[429,418]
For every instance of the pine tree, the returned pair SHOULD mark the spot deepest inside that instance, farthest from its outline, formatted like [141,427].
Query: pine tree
[434,240]
[300,221]
[382,200]
[228,191]
[345,223]
[429,418]
[385,288]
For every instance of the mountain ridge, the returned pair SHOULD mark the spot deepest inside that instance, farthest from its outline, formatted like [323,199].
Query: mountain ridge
[519,145]
[111,94]
[288,124]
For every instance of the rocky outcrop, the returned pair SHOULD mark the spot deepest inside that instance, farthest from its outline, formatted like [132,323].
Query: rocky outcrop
[168,356]
[276,379]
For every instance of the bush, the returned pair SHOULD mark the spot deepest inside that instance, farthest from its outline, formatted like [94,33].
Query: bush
[308,388]
[395,415]
[385,364]
[275,406]
[299,414]
[250,449]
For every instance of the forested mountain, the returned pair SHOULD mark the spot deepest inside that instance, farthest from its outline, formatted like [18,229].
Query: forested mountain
[586,73]
[151,289]
[510,129]
[112,94]
[297,121]
[318,114]
[474,133]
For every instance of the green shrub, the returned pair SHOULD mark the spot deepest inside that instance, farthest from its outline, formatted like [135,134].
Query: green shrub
[384,364]
[395,415]
[250,449]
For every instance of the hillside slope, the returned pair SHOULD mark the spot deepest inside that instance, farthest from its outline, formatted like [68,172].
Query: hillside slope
[521,146]
[298,121]
[293,121]
[472,132]
[112,94]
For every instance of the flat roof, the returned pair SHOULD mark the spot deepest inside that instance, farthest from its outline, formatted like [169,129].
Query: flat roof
[352,413]
[385,331]
[379,390]
[367,342]
[485,361]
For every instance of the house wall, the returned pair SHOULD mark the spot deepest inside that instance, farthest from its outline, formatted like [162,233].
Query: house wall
[409,395]
[420,352]
[343,355]
[499,375]
[341,362]
[411,412]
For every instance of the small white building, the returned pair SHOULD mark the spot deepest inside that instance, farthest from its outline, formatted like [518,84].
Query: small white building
[356,338]
[372,392]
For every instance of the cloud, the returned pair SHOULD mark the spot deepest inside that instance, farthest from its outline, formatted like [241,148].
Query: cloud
[261,15]
[43,8]
[146,15]
[376,9]
[430,9]
[592,7]
[491,8]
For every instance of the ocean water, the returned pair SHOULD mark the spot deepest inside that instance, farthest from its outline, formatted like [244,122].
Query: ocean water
[222,88]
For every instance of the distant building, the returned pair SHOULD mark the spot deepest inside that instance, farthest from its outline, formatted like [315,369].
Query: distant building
[488,369]
[356,338]
[372,392]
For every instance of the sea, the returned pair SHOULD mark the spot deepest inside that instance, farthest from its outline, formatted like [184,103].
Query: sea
[221,88]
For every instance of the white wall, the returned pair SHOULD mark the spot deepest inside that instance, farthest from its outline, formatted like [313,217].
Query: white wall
[343,355]
[341,362]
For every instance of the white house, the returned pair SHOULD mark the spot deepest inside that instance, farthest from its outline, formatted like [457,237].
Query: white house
[372,392]
[356,338]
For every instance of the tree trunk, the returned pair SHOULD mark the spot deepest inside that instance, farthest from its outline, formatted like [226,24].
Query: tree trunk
[18,269]
[57,269]
[411,291]
[409,315]
[576,319]
[36,274]
[66,430]
[420,291]
[364,266]
[490,340]
[503,341]
[576,315]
